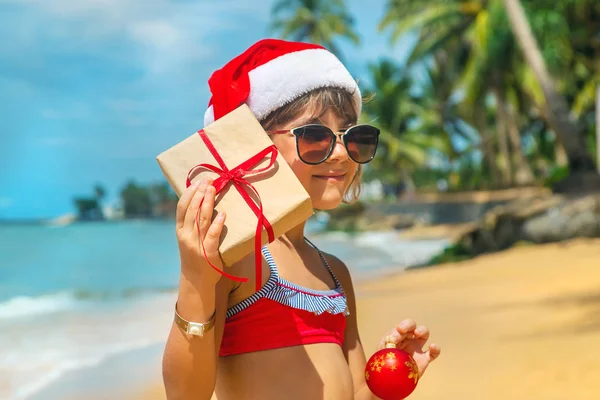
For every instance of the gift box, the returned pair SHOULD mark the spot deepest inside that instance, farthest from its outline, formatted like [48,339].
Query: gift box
[249,175]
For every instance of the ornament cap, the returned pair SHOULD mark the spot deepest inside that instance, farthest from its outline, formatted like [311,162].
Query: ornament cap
[389,343]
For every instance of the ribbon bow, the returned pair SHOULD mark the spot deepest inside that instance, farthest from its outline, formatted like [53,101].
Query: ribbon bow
[237,177]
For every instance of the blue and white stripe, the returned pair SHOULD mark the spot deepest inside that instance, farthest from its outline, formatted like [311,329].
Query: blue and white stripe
[295,296]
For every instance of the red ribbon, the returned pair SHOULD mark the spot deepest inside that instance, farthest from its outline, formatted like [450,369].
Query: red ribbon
[236,176]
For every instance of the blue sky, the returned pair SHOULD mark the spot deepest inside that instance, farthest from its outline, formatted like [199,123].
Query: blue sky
[91,91]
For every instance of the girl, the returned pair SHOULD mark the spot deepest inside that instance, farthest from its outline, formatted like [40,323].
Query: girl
[297,337]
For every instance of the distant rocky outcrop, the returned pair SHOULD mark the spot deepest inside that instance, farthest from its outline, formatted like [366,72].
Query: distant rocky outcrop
[536,220]
[362,217]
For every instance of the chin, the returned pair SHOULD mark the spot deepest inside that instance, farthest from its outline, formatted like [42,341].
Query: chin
[327,203]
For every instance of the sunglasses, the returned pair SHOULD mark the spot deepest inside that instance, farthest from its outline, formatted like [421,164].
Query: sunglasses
[315,142]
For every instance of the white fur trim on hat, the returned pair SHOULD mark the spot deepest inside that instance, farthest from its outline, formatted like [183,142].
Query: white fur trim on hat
[285,78]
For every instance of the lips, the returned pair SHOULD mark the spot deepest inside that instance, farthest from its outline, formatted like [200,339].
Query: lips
[334,176]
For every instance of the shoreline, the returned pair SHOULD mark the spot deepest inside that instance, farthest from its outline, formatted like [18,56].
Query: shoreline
[498,317]
[128,374]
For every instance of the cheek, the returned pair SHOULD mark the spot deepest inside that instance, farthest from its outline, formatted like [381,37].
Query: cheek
[302,171]
[287,150]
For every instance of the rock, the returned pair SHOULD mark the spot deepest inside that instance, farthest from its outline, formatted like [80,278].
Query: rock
[574,218]
[538,220]
[581,182]
[358,217]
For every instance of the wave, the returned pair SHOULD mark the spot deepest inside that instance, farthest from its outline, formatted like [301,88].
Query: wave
[83,334]
[377,250]
[68,300]
[66,366]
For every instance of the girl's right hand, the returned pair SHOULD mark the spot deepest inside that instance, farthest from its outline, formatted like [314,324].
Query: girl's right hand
[190,241]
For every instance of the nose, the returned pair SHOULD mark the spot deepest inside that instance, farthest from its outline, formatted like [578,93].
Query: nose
[339,152]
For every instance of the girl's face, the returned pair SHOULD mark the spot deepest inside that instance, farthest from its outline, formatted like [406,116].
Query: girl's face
[327,182]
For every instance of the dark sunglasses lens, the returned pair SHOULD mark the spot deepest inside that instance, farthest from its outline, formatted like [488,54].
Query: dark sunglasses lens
[361,142]
[314,143]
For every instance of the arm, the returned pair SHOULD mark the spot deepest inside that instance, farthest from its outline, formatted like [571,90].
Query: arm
[353,350]
[407,335]
[189,361]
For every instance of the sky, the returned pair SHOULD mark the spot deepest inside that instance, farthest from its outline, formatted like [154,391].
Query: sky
[92,91]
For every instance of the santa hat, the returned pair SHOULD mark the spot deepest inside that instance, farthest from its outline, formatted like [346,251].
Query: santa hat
[271,74]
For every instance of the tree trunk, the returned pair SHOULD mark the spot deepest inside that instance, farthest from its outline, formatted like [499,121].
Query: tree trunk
[487,146]
[505,158]
[568,132]
[523,173]
[598,129]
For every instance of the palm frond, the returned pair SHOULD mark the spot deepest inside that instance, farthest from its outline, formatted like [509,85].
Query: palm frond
[586,97]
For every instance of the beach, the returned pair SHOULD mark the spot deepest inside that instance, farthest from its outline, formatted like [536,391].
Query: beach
[520,324]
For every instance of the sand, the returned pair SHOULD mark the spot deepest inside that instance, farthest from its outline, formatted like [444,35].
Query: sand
[520,324]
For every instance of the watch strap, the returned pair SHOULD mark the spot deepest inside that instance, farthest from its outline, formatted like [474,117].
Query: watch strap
[194,328]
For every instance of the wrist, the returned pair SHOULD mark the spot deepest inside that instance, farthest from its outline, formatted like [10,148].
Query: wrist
[196,299]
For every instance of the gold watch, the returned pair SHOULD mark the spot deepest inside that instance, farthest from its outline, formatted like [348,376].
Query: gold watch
[194,328]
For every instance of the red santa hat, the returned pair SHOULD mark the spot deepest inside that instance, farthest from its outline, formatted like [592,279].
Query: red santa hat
[272,73]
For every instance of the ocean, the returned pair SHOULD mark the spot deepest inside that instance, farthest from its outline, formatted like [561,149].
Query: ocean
[73,295]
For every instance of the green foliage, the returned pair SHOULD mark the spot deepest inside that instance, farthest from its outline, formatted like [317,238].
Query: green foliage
[557,174]
[316,21]
[137,201]
[454,253]
[88,209]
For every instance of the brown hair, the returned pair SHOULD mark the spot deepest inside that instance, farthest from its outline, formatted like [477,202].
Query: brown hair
[319,101]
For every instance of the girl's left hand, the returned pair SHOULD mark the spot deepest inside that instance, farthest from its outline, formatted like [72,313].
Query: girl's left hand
[412,338]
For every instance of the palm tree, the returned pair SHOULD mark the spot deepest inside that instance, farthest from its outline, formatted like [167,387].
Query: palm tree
[487,70]
[569,132]
[411,130]
[471,32]
[316,21]
[99,192]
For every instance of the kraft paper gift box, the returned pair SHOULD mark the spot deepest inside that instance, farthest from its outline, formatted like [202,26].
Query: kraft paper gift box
[237,137]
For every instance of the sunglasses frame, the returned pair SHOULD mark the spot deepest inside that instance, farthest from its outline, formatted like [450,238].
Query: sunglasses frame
[340,134]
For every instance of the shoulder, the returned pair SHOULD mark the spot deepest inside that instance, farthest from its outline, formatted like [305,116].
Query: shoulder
[245,268]
[341,271]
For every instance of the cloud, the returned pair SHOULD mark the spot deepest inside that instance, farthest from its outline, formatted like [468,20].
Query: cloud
[163,34]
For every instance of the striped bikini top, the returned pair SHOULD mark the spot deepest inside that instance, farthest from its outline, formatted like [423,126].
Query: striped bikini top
[283,314]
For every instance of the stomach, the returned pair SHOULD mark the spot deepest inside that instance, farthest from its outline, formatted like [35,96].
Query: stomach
[315,371]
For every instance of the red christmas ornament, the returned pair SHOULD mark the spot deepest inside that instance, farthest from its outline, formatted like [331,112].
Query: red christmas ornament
[391,373]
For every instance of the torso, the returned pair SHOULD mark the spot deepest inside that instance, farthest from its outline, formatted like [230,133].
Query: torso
[313,371]
[316,371]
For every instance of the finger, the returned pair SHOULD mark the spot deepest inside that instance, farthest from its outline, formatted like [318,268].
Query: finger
[394,337]
[184,202]
[206,211]
[421,333]
[406,328]
[212,237]
[192,209]
[434,351]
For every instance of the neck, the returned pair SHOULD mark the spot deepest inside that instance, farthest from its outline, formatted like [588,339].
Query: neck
[296,235]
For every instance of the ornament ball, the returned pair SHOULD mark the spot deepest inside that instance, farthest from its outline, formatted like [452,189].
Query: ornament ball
[391,373]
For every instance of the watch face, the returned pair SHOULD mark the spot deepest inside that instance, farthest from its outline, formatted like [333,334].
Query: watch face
[196,329]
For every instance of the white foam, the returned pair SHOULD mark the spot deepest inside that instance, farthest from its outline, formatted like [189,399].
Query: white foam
[373,250]
[39,351]
[24,306]
[64,367]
